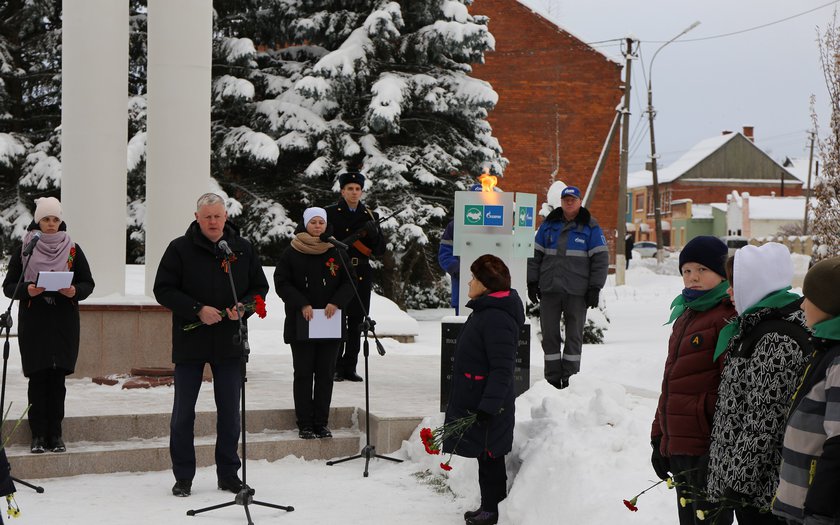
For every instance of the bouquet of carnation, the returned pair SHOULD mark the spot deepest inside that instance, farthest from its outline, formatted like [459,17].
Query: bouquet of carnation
[433,438]
[257,307]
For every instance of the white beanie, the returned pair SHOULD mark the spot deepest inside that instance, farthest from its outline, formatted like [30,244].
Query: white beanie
[308,213]
[760,271]
[47,207]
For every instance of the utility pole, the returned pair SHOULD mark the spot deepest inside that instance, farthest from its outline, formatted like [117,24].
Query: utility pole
[657,211]
[621,229]
[808,186]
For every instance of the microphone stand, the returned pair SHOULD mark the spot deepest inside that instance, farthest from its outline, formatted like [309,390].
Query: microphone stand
[6,324]
[368,451]
[245,496]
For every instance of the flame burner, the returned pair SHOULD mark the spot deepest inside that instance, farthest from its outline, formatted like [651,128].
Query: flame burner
[488,182]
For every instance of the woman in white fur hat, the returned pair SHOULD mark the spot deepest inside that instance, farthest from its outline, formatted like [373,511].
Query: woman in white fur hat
[48,321]
[310,276]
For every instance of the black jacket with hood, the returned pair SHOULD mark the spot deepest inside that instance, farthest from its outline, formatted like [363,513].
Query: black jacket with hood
[48,324]
[191,274]
[482,375]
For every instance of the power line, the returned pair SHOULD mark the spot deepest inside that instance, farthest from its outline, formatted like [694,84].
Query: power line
[762,26]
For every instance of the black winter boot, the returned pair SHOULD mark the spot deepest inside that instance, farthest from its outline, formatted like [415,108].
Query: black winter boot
[484,518]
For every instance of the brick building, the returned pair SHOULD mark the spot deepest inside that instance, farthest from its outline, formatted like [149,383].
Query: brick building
[557,100]
[706,174]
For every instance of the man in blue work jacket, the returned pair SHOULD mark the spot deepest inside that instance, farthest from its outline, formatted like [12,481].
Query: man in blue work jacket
[565,276]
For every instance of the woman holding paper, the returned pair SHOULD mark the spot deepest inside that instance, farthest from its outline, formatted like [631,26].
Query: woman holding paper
[48,319]
[314,286]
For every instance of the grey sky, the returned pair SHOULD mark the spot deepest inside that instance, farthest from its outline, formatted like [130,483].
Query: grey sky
[762,78]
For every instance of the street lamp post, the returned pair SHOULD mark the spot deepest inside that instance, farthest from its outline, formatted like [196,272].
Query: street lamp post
[657,212]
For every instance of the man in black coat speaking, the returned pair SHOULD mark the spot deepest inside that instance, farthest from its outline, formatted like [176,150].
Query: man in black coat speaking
[357,226]
[192,281]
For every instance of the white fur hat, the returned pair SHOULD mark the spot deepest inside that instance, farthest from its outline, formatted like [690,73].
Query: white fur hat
[47,207]
[308,213]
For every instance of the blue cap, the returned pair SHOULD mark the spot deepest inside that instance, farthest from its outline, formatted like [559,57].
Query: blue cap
[568,191]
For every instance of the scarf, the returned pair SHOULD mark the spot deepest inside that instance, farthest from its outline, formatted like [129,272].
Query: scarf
[776,299]
[305,243]
[828,329]
[50,254]
[706,301]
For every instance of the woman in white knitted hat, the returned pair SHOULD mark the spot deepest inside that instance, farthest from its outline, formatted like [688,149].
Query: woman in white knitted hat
[310,276]
[48,320]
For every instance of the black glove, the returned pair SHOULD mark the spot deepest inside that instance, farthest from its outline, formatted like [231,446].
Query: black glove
[534,292]
[814,519]
[661,464]
[481,416]
[592,297]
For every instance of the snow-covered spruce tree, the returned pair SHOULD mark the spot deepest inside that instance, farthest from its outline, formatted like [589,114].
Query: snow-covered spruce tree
[30,112]
[137,99]
[825,206]
[304,90]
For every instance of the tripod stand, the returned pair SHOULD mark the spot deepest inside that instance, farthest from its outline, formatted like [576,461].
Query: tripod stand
[368,451]
[245,496]
[6,324]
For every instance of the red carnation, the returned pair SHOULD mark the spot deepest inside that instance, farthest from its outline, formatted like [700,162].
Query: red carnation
[445,466]
[259,306]
[630,505]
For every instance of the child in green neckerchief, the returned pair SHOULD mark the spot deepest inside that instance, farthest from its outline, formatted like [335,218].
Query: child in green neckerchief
[682,425]
[809,483]
[764,356]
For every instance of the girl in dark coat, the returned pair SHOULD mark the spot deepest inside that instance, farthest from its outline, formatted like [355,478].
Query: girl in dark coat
[48,322]
[682,425]
[309,276]
[482,381]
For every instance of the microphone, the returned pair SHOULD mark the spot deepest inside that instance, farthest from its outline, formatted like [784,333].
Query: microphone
[32,242]
[223,245]
[332,240]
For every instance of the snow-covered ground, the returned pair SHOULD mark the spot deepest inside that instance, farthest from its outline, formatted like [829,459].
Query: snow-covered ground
[577,452]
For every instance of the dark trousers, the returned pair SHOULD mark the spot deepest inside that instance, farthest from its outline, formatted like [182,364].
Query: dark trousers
[348,356]
[46,399]
[752,516]
[690,473]
[492,481]
[227,384]
[561,363]
[314,364]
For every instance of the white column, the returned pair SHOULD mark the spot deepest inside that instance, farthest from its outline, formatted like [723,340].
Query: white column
[178,121]
[94,133]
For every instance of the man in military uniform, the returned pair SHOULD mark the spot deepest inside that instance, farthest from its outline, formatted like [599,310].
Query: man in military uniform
[358,227]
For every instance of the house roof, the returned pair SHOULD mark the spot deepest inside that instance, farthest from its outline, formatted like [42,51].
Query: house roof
[689,159]
[777,208]
[798,167]
[701,211]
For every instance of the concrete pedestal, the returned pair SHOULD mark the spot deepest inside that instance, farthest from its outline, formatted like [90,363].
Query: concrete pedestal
[116,338]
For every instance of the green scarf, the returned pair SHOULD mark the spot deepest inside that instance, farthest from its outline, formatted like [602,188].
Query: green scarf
[776,299]
[828,329]
[703,303]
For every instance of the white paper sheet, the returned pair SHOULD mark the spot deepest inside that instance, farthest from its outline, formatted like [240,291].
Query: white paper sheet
[54,281]
[322,328]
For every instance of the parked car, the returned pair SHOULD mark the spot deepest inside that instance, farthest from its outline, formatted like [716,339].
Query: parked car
[645,248]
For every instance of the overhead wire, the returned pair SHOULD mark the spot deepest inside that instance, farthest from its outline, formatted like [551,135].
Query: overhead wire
[747,30]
